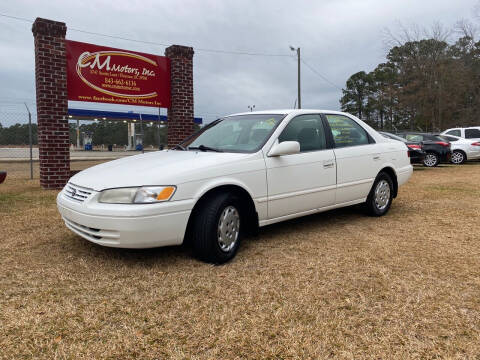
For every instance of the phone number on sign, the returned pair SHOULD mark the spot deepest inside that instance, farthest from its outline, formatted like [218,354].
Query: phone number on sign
[120,82]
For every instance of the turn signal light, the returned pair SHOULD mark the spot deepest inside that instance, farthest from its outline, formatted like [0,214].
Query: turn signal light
[166,193]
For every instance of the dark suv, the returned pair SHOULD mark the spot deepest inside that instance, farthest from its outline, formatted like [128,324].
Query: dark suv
[437,149]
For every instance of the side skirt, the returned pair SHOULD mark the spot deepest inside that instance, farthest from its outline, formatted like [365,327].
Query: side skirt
[309,212]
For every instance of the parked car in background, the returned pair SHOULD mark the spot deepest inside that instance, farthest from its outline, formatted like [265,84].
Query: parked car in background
[234,175]
[463,149]
[415,149]
[437,149]
[472,132]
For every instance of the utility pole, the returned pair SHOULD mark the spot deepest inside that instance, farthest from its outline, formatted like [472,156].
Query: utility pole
[30,140]
[298,76]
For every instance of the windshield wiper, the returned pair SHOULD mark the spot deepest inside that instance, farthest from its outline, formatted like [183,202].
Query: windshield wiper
[204,148]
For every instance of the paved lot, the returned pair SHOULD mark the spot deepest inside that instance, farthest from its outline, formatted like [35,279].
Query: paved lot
[333,285]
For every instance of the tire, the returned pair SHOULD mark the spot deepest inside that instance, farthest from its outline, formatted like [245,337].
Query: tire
[458,157]
[380,197]
[217,229]
[431,160]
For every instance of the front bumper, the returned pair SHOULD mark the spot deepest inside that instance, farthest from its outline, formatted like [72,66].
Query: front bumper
[118,229]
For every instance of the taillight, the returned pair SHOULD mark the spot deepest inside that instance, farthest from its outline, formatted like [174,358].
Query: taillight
[414,146]
[476,144]
[443,143]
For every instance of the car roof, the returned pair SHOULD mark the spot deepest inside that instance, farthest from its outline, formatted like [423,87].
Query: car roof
[467,127]
[290,111]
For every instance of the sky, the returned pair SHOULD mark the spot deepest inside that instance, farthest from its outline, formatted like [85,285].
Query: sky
[337,38]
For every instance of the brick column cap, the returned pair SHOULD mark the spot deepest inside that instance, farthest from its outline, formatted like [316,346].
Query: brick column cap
[49,27]
[179,51]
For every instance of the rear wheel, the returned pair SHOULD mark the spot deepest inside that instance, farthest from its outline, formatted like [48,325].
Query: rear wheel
[431,160]
[217,233]
[458,157]
[380,197]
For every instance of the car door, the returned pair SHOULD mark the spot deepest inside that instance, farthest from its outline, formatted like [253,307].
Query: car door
[304,181]
[358,157]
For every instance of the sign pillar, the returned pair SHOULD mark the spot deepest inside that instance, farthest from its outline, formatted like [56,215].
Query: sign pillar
[180,113]
[52,103]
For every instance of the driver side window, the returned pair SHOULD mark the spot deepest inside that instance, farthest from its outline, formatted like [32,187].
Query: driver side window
[307,130]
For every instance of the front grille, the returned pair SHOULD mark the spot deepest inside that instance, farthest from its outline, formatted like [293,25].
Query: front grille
[76,192]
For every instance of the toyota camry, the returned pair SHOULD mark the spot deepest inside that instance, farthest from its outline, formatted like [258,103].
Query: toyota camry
[233,176]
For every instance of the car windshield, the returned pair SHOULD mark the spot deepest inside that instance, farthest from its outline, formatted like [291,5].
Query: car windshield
[240,133]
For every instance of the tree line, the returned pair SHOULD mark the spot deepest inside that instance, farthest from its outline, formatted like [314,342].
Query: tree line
[102,133]
[426,84]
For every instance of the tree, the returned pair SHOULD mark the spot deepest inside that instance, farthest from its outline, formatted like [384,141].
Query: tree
[354,99]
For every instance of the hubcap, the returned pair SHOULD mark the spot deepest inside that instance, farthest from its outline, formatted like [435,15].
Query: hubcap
[382,194]
[228,228]
[430,160]
[457,157]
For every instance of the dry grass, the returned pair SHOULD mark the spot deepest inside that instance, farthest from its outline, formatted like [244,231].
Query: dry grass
[332,285]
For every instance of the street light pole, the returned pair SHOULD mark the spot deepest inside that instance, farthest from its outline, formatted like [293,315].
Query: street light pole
[298,76]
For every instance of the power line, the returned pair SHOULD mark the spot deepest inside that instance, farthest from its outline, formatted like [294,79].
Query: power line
[320,75]
[217,51]
[16,18]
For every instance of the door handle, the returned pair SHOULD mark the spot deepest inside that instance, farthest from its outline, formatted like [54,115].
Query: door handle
[376,157]
[328,164]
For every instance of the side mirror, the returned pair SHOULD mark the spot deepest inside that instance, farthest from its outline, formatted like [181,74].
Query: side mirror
[285,148]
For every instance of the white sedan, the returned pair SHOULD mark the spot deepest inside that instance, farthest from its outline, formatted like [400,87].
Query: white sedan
[463,149]
[234,175]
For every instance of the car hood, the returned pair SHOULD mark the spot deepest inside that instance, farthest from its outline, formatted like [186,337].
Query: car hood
[169,167]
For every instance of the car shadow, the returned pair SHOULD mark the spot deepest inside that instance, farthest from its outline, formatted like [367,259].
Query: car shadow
[177,255]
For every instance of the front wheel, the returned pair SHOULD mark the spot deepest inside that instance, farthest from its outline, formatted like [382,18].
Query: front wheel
[217,234]
[381,196]
[458,157]
[431,160]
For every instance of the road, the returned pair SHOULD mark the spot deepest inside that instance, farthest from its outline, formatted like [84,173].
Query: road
[15,154]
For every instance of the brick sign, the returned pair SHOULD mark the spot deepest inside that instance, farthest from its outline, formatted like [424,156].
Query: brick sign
[108,75]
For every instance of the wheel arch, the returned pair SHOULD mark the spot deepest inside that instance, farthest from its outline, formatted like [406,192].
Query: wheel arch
[246,199]
[393,175]
[462,151]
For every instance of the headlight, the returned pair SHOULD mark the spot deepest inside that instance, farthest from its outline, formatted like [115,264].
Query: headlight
[137,195]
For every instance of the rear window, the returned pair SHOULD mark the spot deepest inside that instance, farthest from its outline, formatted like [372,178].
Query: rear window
[472,133]
[434,137]
[414,137]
